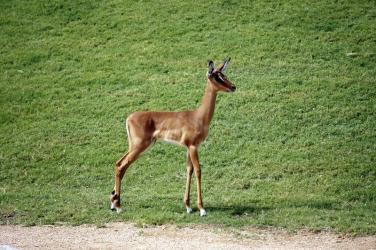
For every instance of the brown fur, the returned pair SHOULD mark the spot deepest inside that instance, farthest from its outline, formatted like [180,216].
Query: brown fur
[187,128]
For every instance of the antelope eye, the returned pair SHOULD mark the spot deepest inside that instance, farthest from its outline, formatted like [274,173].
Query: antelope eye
[219,78]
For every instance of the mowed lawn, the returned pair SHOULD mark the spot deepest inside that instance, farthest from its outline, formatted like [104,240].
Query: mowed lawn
[294,147]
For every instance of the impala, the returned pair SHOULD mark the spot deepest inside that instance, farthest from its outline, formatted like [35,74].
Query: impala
[186,128]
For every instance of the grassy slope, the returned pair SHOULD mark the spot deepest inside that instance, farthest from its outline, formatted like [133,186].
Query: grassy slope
[294,147]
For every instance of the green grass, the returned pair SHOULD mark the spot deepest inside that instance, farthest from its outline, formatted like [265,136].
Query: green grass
[295,147]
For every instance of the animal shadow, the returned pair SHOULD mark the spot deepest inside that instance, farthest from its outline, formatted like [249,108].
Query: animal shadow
[239,210]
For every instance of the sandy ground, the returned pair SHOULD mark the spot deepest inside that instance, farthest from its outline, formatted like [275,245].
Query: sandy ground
[127,236]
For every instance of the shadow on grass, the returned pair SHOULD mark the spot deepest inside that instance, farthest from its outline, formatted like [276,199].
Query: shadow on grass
[311,204]
[252,209]
[239,210]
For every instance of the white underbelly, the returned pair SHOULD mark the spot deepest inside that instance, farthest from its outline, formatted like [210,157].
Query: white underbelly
[173,142]
[170,136]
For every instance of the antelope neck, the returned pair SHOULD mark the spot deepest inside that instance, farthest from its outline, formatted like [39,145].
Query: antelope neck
[206,109]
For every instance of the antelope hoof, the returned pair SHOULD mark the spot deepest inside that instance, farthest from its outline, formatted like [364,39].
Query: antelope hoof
[189,210]
[115,202]
[115,208]
[202,212]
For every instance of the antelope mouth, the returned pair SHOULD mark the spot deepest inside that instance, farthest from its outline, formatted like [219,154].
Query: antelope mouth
[232,89]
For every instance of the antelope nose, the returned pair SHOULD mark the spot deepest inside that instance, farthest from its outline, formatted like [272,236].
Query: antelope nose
[233,88]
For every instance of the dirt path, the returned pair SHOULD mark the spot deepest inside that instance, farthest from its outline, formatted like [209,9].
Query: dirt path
[126,236]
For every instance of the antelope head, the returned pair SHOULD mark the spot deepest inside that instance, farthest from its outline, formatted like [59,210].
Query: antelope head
[218,79]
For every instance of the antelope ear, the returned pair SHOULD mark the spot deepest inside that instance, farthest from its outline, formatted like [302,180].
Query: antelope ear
[225,65]
[210,68]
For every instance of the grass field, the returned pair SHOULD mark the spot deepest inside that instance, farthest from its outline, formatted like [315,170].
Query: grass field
[294,147]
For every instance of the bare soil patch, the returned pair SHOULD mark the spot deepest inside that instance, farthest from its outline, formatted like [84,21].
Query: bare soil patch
[127,236]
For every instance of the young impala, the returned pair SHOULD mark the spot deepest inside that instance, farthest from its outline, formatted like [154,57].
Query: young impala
[187,128]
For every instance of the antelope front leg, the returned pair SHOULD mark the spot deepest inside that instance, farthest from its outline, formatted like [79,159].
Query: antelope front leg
[188,184]
[196,166]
